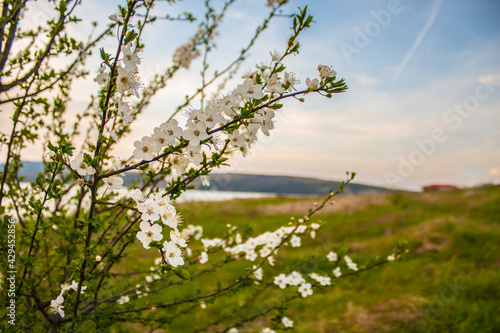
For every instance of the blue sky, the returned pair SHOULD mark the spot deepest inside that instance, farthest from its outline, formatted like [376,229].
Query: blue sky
[449,47]
[410,66]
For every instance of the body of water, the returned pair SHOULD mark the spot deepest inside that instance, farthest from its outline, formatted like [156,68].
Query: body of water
[194,195]
[197,195]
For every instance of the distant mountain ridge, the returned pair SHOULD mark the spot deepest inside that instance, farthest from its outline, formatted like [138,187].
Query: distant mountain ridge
[282,185]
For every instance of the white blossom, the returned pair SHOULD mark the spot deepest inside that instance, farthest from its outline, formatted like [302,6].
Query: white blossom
[118,18]
[204,180]
[295,279]
[312,84]
[287,322]
[265,118]
[179,163]
[149,233]
[145,149]
[177,238]
[193,231]
[350,263]
[124,111]
[248,89]
[138,196]
[295,241]
[173,254]
[161,138]
[173,130]
[236,139]
[150,210]
[169,215]
[275,56]
[281,281]
[114,182]
[130,59]
[274,85]
[74,286]
[305,289]
[102,77]
[81,167]
[211,115]
[267,330]
[194,155]
[290,79]
[325,71]
[315,226]
[195,133]
[258,273]
[203,258]
[332,256]
[272,3]
[57,306]
[262,66]
[271,260]
[323,280]
[123,299]
[127,82]
[251,256]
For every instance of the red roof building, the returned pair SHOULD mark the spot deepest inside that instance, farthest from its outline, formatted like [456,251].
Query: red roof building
[440,188]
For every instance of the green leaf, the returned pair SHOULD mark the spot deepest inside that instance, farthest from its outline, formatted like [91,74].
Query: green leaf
[51,146]
[87,158]
[182,273]
[131,35]
[165,269]
[40,181]
[104,55]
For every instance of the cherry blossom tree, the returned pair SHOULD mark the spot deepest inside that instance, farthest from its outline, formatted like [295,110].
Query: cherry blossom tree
[77,224]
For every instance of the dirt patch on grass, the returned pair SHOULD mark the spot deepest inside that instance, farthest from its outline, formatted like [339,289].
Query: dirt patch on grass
[432,236]
[383,317]
[471,198]
[346,204]
[434,245]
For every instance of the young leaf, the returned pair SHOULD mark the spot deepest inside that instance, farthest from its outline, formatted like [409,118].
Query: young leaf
[182,273]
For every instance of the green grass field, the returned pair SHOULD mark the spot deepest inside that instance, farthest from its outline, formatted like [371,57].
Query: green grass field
[448,282]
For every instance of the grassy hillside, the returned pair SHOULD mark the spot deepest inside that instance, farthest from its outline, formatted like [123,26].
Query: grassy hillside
[448,282]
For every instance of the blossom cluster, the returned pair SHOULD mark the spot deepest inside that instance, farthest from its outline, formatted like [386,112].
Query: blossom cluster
[267,244]
[240,106]
[216,113]
[287,322]
[305,288]
[56,304]
[153,208]
[233,121]
[127,81]
[264,245]
[271,3]
[185,53]
[238,116]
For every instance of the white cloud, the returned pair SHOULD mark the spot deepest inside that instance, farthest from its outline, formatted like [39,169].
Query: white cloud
[416,43]
[366,80]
